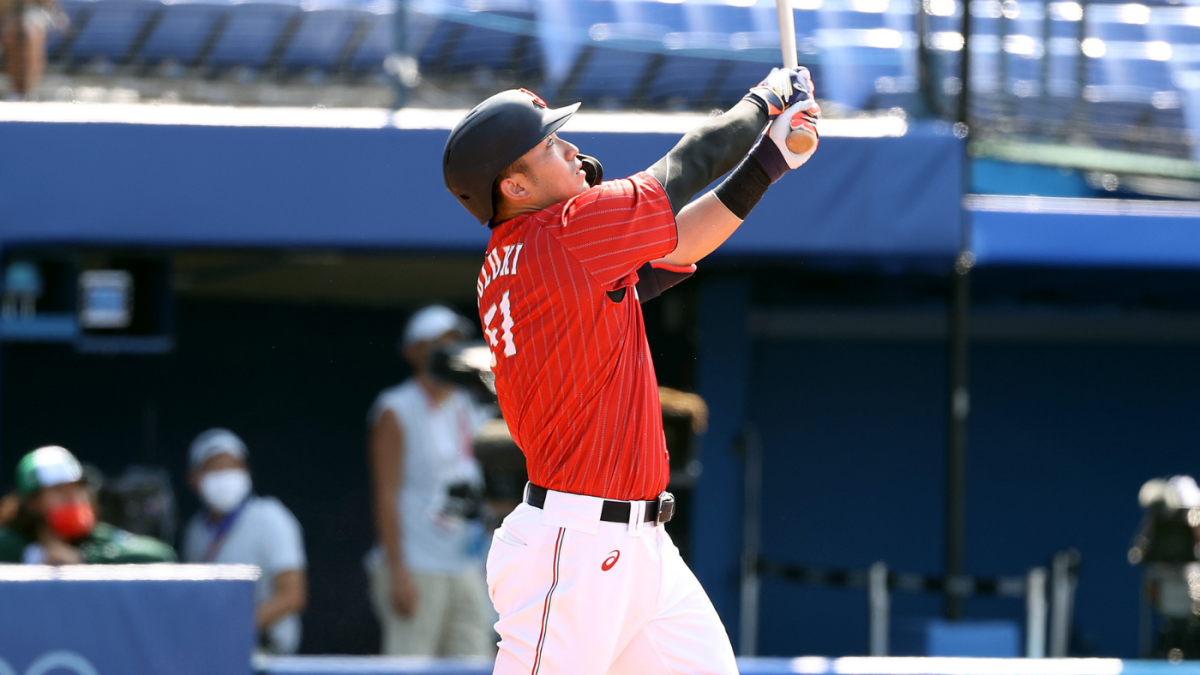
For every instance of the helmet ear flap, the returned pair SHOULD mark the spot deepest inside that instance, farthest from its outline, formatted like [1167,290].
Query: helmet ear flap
[592,169]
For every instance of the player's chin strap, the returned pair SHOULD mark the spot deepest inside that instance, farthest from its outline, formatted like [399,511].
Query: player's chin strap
[592,168]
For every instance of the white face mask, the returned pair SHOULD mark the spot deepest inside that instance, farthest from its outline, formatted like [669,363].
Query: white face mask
[224,490]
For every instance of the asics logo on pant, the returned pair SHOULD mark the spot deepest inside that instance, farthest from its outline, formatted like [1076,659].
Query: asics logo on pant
[610,561]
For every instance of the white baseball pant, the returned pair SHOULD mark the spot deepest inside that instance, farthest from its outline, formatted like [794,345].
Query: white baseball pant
[577,596]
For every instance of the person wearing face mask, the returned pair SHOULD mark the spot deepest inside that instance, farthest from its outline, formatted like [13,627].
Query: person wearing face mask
[427,586]
[237,526]
[55,521]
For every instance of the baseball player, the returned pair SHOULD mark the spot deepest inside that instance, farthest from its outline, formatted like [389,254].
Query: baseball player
[583,577]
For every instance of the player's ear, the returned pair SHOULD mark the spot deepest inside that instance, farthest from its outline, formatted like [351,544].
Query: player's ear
[515,188]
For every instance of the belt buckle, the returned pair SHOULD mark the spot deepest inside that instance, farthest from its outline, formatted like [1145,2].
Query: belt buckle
[666,507]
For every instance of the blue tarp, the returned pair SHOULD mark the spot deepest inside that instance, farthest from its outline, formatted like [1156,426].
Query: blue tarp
[214,186]
[183,620]
[1084,232]
[177,186]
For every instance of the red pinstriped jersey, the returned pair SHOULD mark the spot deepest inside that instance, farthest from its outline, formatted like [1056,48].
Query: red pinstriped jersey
[573,370]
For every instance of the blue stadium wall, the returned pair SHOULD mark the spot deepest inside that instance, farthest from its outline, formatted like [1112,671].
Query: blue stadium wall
[1062,434]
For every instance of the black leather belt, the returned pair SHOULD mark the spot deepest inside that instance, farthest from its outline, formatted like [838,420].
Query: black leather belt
[660,510]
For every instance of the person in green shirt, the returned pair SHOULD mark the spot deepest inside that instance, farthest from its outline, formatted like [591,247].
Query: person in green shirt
[55,523]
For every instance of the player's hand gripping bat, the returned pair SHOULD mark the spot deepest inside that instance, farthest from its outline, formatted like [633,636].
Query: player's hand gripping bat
[802,138]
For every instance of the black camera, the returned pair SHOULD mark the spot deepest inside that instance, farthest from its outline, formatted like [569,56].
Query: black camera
[463,500]
[468,365]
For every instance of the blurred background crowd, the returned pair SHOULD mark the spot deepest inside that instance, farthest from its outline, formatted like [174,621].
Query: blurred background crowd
[443,473]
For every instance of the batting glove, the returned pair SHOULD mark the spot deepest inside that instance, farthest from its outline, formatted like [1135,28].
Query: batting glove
[782,89]
[771,150]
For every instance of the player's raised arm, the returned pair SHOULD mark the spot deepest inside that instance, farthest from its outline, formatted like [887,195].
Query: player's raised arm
[709,151]
[714,148]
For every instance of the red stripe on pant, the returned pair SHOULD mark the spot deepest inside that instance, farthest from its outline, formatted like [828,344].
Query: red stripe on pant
[537,657]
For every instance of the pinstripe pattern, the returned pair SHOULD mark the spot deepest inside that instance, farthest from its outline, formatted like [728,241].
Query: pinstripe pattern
[580,395]
[537,656]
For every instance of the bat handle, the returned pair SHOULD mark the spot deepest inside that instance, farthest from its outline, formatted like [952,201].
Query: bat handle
[787,32]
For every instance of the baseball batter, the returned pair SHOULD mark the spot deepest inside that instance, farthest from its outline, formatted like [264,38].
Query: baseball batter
[583,576]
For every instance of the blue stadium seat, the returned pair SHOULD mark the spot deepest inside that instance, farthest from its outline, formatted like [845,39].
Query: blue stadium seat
[77,12]
[757,51]
[599,49]
[112,29]
[1023,59]
[377,42]
[1127,71]
[489,33]
[252,34]
[182,31]
[699,58]
[669,15]
[322,38]
[868,59]
[1064,60]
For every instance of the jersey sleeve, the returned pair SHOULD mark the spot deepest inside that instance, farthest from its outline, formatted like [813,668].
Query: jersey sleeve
[617,226]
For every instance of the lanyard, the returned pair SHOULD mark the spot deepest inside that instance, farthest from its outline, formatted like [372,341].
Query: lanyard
[221,531]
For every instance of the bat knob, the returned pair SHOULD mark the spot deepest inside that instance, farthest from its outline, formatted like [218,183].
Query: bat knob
[801,140]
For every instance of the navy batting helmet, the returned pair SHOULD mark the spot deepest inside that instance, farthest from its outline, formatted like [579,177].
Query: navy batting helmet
[490,138]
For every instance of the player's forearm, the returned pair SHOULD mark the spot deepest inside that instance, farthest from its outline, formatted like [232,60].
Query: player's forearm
[708,152]
[703,225]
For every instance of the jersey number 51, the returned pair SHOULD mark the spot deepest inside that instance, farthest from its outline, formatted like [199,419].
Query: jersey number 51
[506,325]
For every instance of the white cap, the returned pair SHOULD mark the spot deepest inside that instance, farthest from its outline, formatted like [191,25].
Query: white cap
[1188,491]
[432,322]
[216,442]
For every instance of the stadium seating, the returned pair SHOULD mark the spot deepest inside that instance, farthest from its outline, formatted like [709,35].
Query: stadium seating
[112,30]
[377,42]
[322,39]
[183,31]
[253,34]
[587,53]
[757,50]
[77,12]
[1142,67]
[867,50]
[483,33]
[699,57]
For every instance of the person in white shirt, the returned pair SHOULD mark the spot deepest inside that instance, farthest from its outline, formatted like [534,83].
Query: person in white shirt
[239,527]
[427,587]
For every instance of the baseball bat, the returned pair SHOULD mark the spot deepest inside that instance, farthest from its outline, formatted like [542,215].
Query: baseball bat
[799,140]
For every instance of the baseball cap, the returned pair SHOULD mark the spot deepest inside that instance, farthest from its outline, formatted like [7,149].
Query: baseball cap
[433,322]
[215,442]
[46,467]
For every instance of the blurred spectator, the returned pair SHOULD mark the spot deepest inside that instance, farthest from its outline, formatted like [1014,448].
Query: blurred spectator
[427,586]
[55,522]
[8,508]
[1165,547]
[23,26]
[239,527]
